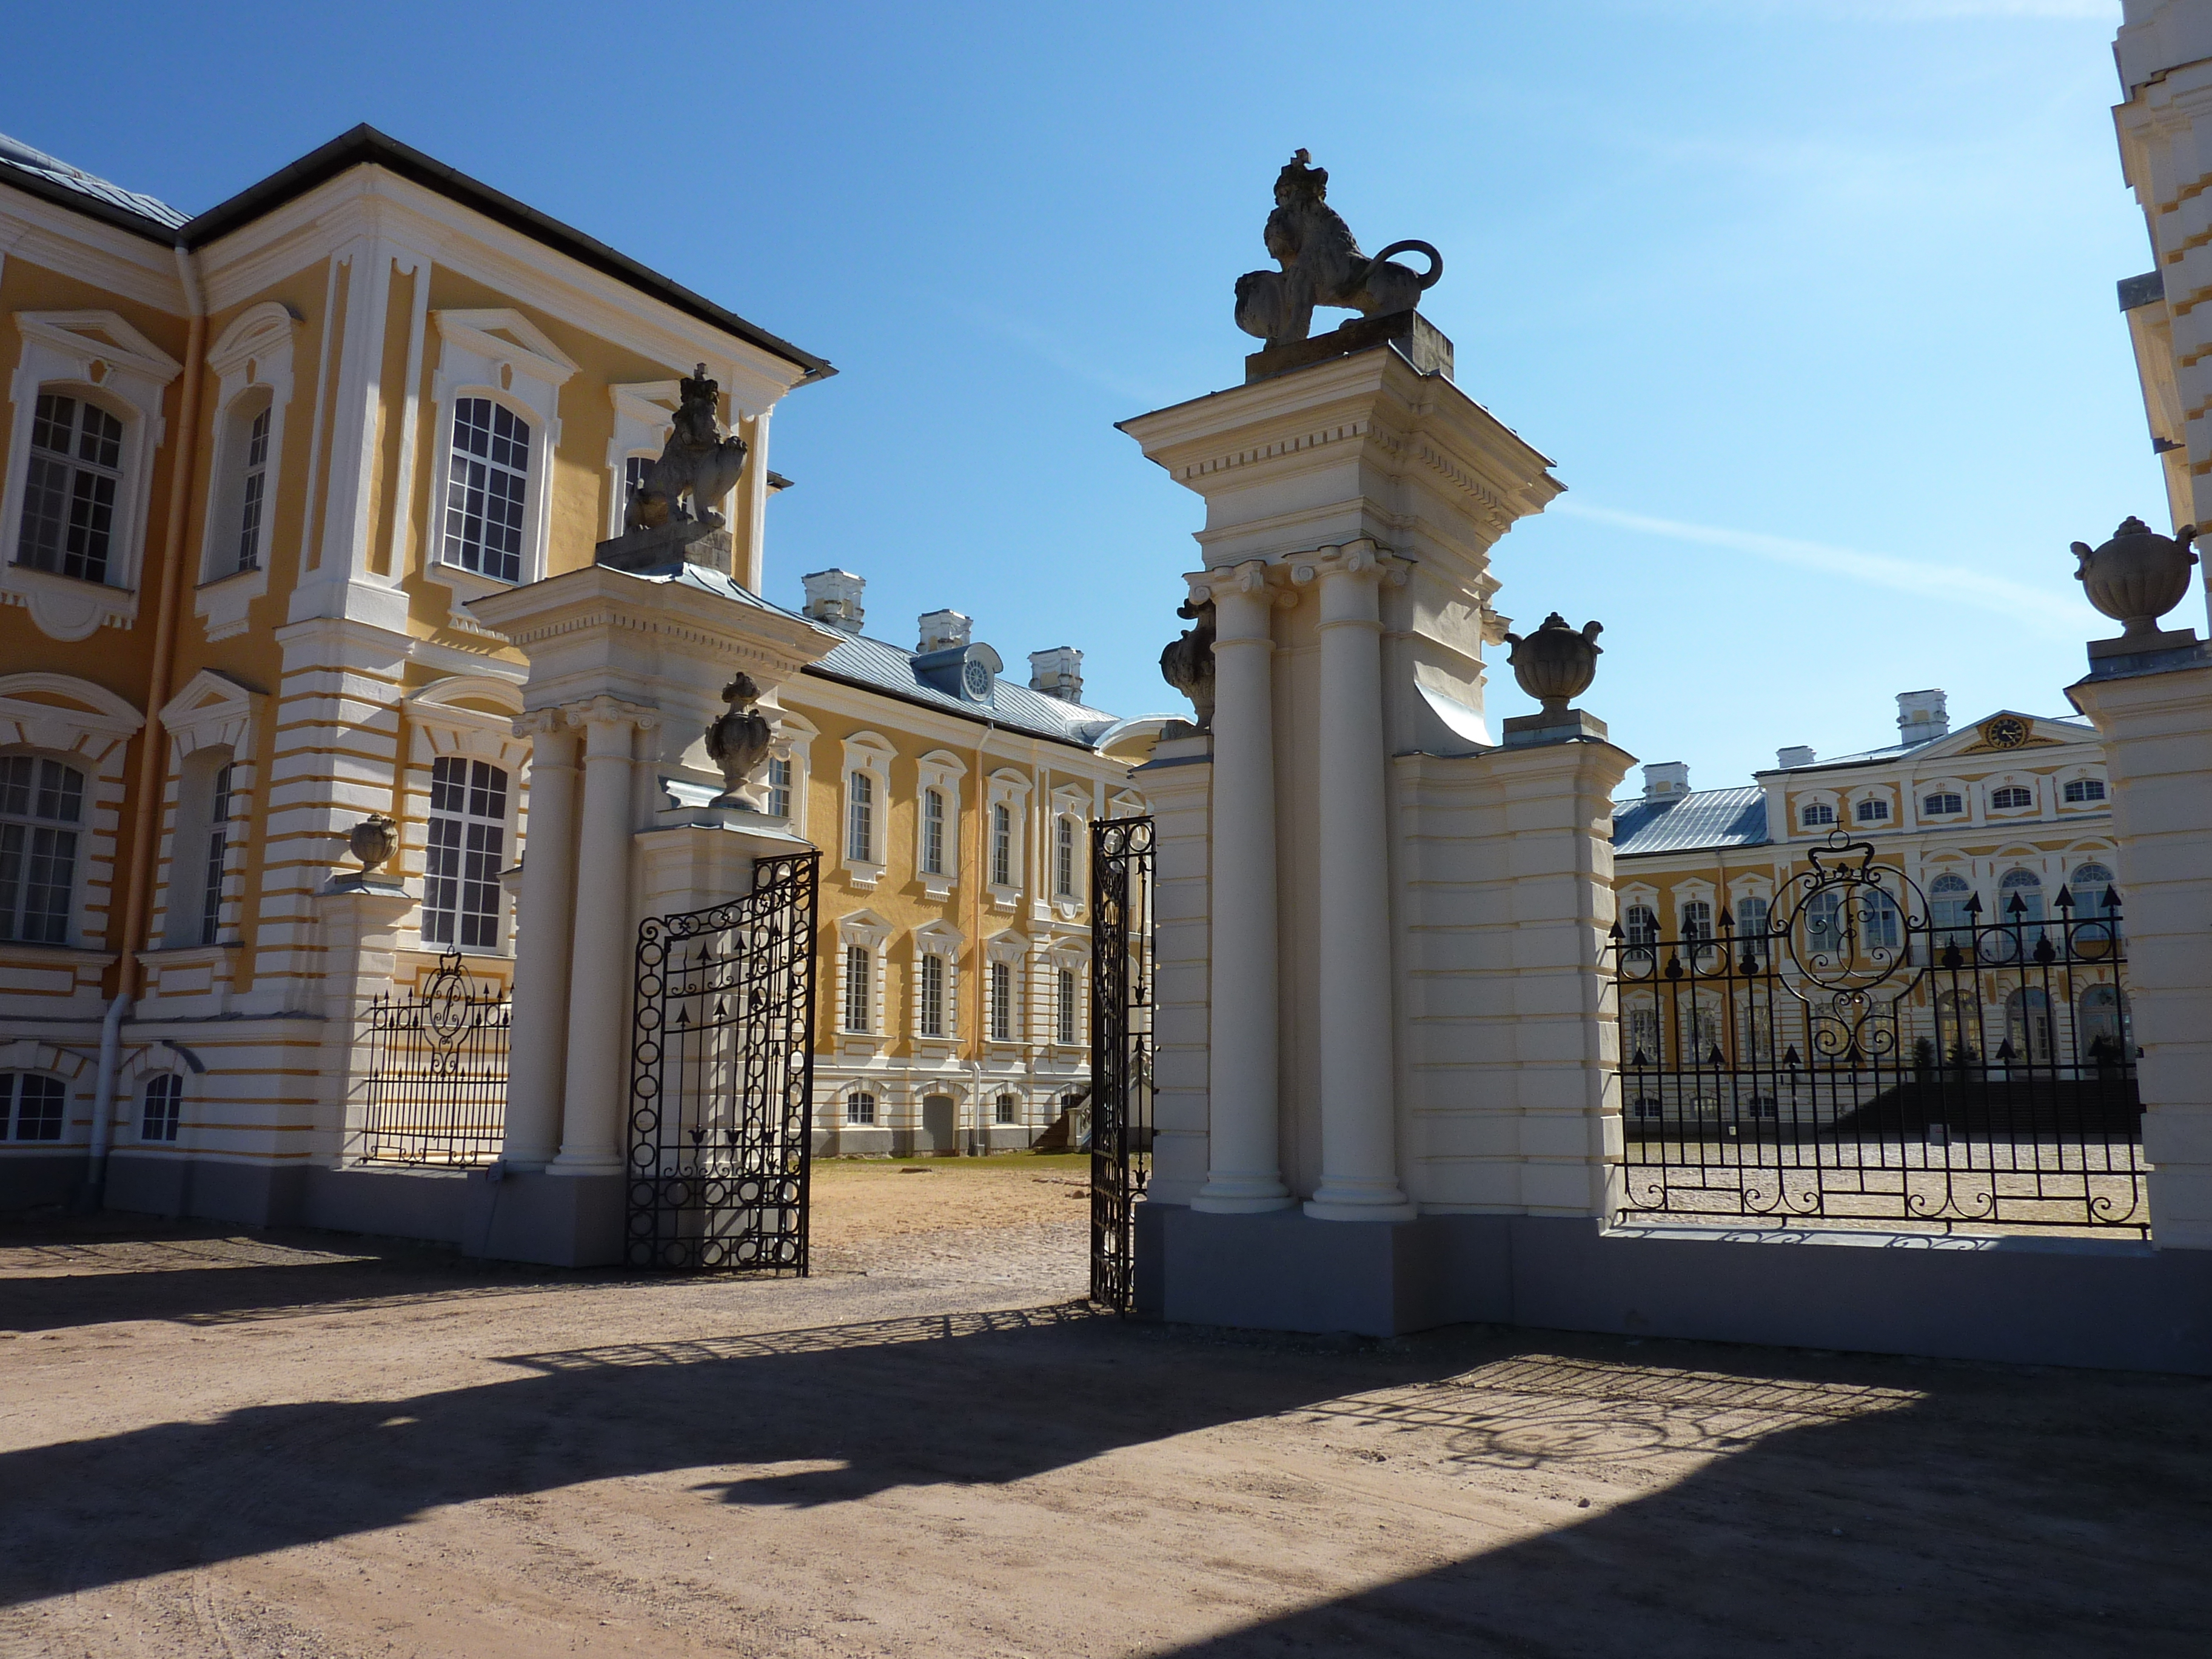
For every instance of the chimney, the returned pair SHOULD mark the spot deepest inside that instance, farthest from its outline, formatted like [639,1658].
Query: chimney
[833,597]
[1922,717]
[1800,755]
[1058,672]
[941,630]
[1667,780]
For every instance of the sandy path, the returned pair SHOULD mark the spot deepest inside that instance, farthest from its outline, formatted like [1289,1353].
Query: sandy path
[310,1446]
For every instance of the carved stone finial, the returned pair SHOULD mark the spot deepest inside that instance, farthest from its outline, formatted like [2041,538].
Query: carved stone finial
[737,742]
[372,841]
[698,466]
[2138,576]
[1187,662]
[1556,663]
[1321,263]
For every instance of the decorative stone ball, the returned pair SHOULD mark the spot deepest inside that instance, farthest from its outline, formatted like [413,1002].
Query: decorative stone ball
[1557,663]
[373,840]
[2139,576]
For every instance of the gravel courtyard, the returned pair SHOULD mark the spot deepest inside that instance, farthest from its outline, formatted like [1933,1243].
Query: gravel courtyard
[217,1442]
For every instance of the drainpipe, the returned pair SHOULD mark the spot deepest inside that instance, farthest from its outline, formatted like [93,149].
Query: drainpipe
[139,886]
[980,991]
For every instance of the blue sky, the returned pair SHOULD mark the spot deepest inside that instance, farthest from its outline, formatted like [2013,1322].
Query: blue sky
[1811,301]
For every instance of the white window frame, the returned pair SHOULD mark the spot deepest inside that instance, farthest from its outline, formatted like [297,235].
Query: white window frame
[96,356]
[1887,819]
[1800,805]
[849,1095]
[211,712]
[942,772]
[1923,792]
[1009,950]
[441,723]
[870,753]
[525,371]
[795,741]
[252,356]
[1070,807]
[1011,790]
[644,412]
[866,930]
[2079,777]
[89,727]
[944,941]
[1991,786]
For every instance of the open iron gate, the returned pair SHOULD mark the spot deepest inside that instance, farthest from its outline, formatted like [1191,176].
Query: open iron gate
[1121,1049]
[722,1080]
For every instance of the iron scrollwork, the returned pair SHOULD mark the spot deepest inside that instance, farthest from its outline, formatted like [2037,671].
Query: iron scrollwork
[435,1092]
[1121,990]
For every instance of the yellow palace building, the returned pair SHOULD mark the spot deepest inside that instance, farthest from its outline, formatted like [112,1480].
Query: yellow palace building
[258,463]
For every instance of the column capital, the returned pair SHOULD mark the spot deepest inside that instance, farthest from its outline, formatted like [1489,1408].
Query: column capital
[604,710]
[1263,580]
[1364,557]
[540,721]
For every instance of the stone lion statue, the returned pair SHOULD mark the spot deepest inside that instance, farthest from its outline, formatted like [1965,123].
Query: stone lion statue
[698,464]
[1321,264]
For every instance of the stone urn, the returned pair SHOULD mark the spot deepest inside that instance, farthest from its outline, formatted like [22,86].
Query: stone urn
[739,740]
[2138,576]
[372,841]
[1556,663]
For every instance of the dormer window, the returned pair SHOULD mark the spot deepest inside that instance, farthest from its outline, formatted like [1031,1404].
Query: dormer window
[1874,810]
[1819,813]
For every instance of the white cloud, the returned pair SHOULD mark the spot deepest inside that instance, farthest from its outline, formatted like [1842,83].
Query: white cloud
[2022,604]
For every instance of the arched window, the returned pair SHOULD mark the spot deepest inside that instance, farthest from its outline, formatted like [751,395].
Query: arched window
[2011,795]
[1947,908]
[2028,1027]
[2102,1026]
[69,488]
[860,818]
[31,1106]
[1002,845]
[467,848]
[1066,1023]
[42,803]
[932,832]
[860,1108]
[164,1106]
[1007,1110]
[2026,887]
[2079,790]
[487,489]
[1941,804]
[1063,857]
[2089,881]
[1873,809]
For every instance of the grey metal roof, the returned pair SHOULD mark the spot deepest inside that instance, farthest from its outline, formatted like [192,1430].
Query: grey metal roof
[57,174]
[877,666]
[1704,818]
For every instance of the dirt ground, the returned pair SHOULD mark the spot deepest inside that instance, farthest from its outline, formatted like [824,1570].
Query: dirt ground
[309,1445]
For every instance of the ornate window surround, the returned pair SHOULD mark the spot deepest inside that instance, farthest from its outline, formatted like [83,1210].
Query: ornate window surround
[211,712]
[872,933]
[253,353]
[869,752]
[439,723]
[644,411]
[1009,789]
[794,740]
[942,939]
[1012,950]
[96,356]
[942,772]
[94,736]
[1070,803]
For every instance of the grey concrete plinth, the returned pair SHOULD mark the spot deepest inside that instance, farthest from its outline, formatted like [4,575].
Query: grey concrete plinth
[681,541]
[557,1220]
[2110,1303]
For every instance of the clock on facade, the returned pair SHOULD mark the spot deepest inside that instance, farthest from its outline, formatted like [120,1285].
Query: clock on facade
[2005,732]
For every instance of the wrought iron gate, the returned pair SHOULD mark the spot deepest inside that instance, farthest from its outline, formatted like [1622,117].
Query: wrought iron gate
[722,1080]
[1855,1052]
[1121,1049]
[434,1091]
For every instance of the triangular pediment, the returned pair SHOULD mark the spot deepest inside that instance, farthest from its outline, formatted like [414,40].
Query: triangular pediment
[2003,731]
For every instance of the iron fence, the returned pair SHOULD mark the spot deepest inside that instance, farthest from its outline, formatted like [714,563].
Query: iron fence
[1121,1049]
[1849,1057]
[435,1090]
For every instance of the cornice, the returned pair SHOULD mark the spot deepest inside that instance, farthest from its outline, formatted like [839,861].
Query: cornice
[50,236]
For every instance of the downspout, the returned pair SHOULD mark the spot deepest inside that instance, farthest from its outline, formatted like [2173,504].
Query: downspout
[139,886]
[980,992]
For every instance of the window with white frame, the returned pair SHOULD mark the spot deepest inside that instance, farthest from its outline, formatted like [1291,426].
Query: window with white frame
[860,989]
[635,470]
[1873,809]
[1815,814]
[1948,896]
[1066,1023]
[932,832]
[41,804]
[217,848]
[487,489]
[930,1013]
[860,1108]
[1641,923]
[1063,857]
[2010,797]
[70,487]
[778,786]
[467,846]
[2082,790]
[1941,804]
[2091,881]
[1002,845]
[1002,1002]
[1007,1109]
[164,1106]
[2022,889]
[1752,918]
[1697,919]
[31,1106]
[860,818]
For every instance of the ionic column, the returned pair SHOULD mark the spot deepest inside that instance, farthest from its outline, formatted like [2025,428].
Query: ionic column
[599,973]
[544,917]
[1243,1171]
[1358,1094]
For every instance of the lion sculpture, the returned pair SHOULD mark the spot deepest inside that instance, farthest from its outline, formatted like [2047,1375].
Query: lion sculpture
[1187,662]
[1321,264]
[698,463]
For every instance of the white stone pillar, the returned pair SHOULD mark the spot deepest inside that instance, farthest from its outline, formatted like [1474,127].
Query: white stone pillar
[1178,784]
[599,975]
[544,926]
[1244,1161]
[361,916]
[1359,1096]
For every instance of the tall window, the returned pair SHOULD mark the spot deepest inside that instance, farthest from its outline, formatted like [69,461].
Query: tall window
[859,1107]
[1066,1008]
[1941,804]
[1642,1037]
[1007,1109]
[253,486]
[485,495]
[69,491]
[636,469]
[2027,1025]
[933,996]
[1752,918]
[861,818]
[2090,882]
[1642,925]
[2079,790]
[1873,810]
[218,844]
[1002,845]
[859,988]
[1063,858]
[468,839]
[1002,1002]
[1817,813]
[779,788]
[41,802]
[2101,1030]
[30,1106]
[1947,908]
[2026,886]
[1697,919]
[1827,927]
[2010,796]
[932,832]
[165,1104]
[1881,926]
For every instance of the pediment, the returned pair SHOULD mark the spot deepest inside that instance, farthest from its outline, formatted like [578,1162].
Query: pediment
[503,333]
[2004,731]
[98,336]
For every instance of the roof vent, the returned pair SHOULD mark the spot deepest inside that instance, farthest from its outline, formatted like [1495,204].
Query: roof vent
[1667,780]
[1922,717]
[833,597]
[943,629]
[1058,672]
[1797,755]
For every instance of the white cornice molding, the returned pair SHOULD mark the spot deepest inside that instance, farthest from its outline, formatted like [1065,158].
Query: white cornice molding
[48,235]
